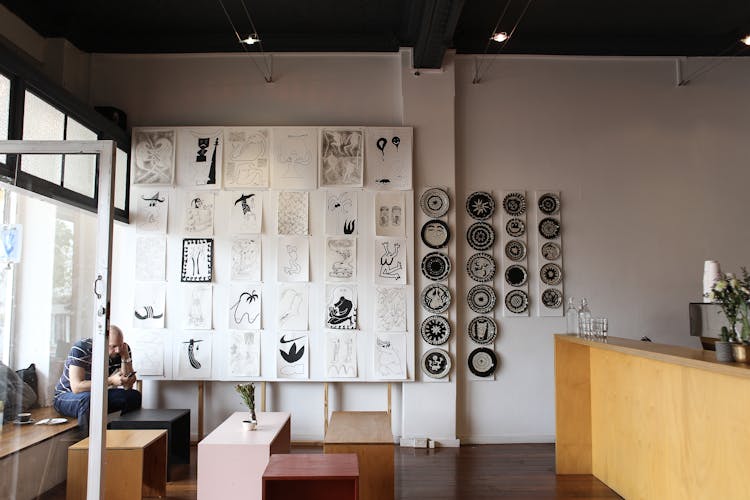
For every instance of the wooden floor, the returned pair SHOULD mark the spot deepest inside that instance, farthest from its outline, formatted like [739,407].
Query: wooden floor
[523,471]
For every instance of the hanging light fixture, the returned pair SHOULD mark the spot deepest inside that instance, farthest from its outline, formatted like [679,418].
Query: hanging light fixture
[499,37]
[745,39]
[251,39]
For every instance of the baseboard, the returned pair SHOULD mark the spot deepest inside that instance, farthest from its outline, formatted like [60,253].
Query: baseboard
[509,439]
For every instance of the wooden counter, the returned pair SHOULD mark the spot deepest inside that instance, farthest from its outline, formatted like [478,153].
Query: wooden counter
[651,420]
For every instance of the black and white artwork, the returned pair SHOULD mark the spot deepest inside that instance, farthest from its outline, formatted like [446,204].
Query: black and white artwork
[341,260]
[199,213]
[292,355]
[192,356]
[150,258]
[341,157]
[245,212]
[341,212]
[292,211]
[292,307]
[341,303]
[389,356]
[199,153]
[390,212]
[12,239]
[197,260]
[151,212]
[390,261]
[341,354]
[148,349]
[153,154]
[246,157]
[389,156]
[198,305]
[436,363]
[148,305]
[390,309]
[246,258]
[295,158]
[244,306]
[244,354]
[293,258]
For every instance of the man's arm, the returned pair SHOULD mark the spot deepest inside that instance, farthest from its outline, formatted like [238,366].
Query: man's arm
[79,384]
[126,368]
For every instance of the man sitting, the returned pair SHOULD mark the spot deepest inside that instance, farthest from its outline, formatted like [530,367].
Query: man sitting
[73,390]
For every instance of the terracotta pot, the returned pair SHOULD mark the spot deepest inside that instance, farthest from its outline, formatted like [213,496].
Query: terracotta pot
[741,353]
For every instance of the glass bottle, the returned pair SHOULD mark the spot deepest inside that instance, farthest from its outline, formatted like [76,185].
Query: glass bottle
[571,316]
[584,318]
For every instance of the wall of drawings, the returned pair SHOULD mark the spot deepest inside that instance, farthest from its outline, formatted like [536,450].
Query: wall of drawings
[273,253]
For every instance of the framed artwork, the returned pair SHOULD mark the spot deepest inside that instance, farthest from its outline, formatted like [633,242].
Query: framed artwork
[197,260]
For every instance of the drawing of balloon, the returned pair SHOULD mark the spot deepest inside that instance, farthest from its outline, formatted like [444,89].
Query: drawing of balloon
[396,141]
[381,144]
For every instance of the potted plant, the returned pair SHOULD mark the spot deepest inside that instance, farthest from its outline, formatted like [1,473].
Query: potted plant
[247,393]
[732,296]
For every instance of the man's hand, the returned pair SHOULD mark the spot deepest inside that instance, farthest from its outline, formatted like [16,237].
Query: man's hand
[129,380]
[117,379]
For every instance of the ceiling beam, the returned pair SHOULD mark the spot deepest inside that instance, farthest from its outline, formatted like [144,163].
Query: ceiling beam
[439,20]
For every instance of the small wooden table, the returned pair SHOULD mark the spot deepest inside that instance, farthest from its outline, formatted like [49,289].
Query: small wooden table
[312,477]
[136,465]
[369,435]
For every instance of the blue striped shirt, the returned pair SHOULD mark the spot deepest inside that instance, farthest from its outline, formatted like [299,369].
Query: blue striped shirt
[80,355]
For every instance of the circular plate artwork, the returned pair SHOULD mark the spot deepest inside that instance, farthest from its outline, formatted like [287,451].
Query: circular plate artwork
[435,330]
[516,275]
[514,204]
[552,298]
[515,250]
[436,363]
[482,330]
[434,202]
[481,267]
[481,299]
[551,274]
[551,251]
[517,301]
[480,205]
[482,362]
[515,228]
[549,228]
[480,236]
[435,233]
[436,298]
[549,203]
[436,266]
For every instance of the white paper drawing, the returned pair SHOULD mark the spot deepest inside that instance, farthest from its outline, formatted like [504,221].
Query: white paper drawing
[246,258]
[199,152]
[341,260]
[295,158]
[246,157]
[199,213]
[197,260]
[341,212]
[292,355]
[388,158]
[341,303]
[341,354]
[244,354]
[147,349]
[148,305]
[152,208]
[244,306]
[198,307]
[292,211]
[153,154]
[245,212]
[192,356]
[390,309]
[150,258]
[389,356]
[292,307]
[11,236]
[390,213]
[293,258]
[341,157]
[390,261]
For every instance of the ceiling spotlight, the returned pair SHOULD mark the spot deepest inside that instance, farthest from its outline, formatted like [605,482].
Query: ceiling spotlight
[500,36]
[745,40]
[251,39]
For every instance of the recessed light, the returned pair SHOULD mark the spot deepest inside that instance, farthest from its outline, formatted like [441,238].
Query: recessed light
[251,39]
[500,36]
[745,40]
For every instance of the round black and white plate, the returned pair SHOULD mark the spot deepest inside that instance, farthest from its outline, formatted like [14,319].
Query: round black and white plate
[515,228]
[481,267]
[481,299]
[482,362]
[434,202]
[514,204]
[551,251]
[549,228]
[435,233]
[549,203]
[436,266]
[436,298]
[551,274]
[480,205]
[516,301]
[435,330]
[436,363]
[515,250]
[516,275]
[482,330]
[552,298]
[480,236]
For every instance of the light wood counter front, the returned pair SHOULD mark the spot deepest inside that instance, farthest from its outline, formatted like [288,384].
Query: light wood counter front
[652,421]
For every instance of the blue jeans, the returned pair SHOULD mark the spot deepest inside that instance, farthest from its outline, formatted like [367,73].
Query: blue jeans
[77,405]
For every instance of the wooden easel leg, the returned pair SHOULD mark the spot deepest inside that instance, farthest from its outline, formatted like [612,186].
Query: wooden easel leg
[201,386]
[325,408]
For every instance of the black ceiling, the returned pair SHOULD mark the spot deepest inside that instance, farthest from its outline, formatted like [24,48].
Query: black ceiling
[565,27]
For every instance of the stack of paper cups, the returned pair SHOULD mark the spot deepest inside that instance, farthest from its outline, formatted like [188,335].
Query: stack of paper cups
[711,274]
